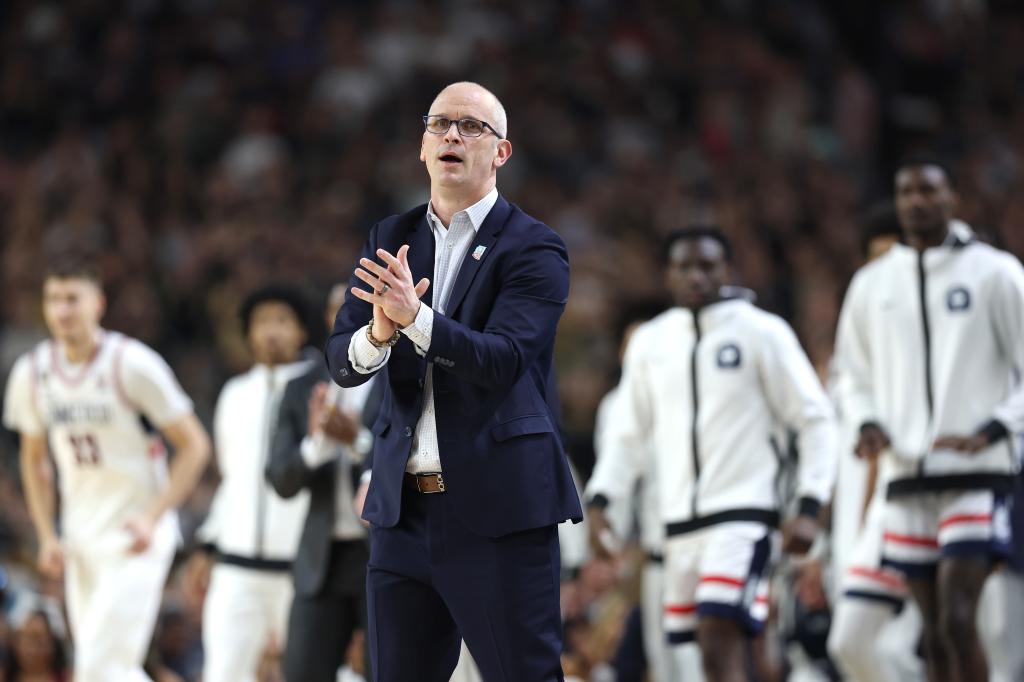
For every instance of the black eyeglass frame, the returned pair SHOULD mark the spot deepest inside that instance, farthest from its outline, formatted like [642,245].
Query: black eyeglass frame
[458,122]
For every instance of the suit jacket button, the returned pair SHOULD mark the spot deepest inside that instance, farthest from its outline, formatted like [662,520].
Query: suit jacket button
[408,432]
[420,382]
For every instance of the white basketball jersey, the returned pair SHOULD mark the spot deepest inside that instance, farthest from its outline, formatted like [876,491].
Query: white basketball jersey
[99,418]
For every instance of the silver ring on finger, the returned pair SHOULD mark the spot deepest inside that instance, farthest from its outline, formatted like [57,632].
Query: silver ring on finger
[385,289]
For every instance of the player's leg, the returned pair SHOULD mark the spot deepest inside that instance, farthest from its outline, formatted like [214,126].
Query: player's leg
[121,614]
[732,597]
[911,546]
[974,530]
[853,638]
[960,581]
[652,599]
[679,617]
[1001,622]
[235,627]
[871,597]
[79,583]
[899,643]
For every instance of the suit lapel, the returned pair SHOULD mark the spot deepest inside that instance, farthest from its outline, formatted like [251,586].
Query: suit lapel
[485,238]
[421,256]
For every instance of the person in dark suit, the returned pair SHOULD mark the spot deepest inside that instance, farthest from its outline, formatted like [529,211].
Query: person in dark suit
[455,305]
[318,444]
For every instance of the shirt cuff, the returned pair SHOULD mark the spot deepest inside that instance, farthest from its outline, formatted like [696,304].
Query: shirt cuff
[808,506]
[421,329]
[364,356]
[361,446]
[366,476]
[995,431]
[316,451]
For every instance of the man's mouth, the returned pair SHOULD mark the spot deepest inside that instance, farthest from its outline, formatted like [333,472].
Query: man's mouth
[450,158]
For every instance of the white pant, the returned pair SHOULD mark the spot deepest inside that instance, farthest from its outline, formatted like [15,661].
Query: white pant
[870,643]
[113,600]
[1000,624]
[245,610]
[665,663]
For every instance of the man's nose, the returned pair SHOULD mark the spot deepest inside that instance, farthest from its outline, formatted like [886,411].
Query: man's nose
[452,134]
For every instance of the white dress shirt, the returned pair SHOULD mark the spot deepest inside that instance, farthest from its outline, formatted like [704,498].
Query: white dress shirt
[451,244]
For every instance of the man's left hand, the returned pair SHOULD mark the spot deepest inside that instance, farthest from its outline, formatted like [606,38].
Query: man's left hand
[968,444]
[392,286]
[798,534]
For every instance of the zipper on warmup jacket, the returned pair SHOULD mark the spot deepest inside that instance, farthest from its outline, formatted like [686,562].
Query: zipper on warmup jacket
[926,327]
[695,405]
[261,485]
[923,289]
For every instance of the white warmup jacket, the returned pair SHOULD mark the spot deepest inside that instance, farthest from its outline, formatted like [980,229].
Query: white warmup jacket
[930,344]
[712,394]
[249,524]
[619,475]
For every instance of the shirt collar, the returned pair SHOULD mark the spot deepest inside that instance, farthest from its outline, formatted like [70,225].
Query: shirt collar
[476,213]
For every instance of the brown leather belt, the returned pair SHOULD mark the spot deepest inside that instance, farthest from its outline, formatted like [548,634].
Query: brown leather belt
[424,483]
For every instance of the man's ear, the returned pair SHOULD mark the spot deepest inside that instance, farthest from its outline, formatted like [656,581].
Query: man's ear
[502,153]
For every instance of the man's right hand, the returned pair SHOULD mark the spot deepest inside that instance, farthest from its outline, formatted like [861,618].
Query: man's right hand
[51,558]
[600,532]
[871,442]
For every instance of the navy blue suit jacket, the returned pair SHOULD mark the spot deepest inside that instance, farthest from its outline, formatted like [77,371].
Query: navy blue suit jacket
[494,392]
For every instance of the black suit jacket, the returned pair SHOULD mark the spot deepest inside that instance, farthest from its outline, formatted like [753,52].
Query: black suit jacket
[288,473]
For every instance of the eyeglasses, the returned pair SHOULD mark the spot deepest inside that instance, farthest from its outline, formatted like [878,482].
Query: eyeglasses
[467,127]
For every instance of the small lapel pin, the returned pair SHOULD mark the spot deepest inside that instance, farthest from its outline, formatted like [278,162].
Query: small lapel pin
[478,252]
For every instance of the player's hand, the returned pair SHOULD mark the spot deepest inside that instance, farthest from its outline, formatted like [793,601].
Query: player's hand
[966,444]
[342,426]
[798,534]
[359,501]
[195,580]
[602,538]
[871,442]
[401,301]
[317,408]
[141,530]
[51,558]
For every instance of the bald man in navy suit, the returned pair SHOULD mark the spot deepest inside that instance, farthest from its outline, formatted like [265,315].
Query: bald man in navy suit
[455,303]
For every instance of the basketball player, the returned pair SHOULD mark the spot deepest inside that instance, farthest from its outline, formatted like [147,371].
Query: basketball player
[98,401]
[254,531]
[930,337]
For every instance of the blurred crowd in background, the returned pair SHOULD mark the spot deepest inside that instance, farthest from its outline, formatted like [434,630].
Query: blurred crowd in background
[204,148]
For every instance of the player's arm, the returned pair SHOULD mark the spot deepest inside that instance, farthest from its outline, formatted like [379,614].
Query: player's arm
[870,483]
[855,385]
[799,401]
[38,481]
[619,444]
[191,454]
[149,383]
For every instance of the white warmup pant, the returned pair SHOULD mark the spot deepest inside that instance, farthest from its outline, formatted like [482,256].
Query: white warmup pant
[870,643]
[245,610]
[665,663]
[113,601]
[1000,624]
